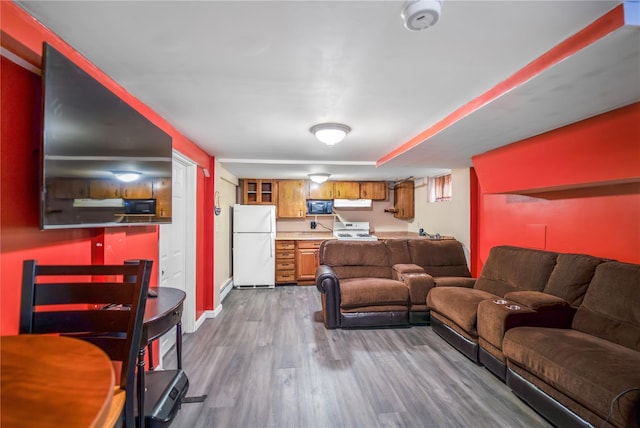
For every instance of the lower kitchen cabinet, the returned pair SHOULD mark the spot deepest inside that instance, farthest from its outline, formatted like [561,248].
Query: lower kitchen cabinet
[285,262]
[307,260]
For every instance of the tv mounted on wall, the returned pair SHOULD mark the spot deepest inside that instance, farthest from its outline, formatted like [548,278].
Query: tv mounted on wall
[92,142]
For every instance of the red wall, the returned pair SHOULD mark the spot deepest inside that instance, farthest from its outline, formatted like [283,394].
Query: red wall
[575,189]
[20,237]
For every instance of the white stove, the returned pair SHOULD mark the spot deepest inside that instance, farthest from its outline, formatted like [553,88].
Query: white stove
[353,231]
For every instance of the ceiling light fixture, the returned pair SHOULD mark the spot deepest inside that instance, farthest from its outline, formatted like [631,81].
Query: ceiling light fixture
[319,178]
[330,133]
[127,176]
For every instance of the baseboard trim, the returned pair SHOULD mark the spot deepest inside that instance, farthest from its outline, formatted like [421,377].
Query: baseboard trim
[226,289]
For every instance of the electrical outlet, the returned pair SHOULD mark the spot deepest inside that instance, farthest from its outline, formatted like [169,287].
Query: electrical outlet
[313,224]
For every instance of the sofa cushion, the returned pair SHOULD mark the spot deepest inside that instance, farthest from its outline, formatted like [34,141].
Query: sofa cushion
[590,370]
[362,292]
[353,259]
[611,307]
[459,305]
[571,277]
[439,258]
[398,251]
[513,268]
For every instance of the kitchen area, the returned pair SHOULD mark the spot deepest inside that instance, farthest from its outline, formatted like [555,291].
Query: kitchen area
[298,215]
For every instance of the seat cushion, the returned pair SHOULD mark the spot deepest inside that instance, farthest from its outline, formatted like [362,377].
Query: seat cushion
[590,370]
[363,292]
[459,305]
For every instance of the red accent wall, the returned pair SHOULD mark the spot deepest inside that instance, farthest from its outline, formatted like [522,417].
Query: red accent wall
[20,236]
[575,189]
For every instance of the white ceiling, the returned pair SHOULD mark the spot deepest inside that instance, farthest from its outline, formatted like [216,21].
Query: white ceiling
[245,80]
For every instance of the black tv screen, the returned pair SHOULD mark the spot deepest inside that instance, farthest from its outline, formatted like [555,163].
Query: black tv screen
[91,142]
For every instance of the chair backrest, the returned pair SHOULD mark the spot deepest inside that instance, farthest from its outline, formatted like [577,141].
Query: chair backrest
[102,304]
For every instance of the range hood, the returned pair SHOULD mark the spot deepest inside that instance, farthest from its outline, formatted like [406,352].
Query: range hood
[352,203]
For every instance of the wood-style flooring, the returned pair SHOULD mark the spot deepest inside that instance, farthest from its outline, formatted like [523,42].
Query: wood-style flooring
[268,361]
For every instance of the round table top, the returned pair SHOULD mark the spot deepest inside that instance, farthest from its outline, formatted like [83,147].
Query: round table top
[53,381]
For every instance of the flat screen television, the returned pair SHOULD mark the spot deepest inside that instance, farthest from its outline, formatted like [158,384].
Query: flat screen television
[91,142]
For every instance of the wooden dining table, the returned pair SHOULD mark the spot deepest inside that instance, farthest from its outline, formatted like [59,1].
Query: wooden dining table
[53,381]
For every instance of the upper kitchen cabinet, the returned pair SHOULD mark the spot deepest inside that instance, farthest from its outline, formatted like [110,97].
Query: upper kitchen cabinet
[163,196]
[376,190]
[111,189]
[291,199]
[346,189]
[258,192]
[321,190]
[69,188]
[404,200]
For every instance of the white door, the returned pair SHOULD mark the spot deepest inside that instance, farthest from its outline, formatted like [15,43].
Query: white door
[177,245]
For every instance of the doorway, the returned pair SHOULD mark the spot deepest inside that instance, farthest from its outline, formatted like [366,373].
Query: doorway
[177,246]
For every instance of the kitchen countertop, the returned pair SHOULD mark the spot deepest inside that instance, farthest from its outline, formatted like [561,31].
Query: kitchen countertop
[303,236]
[404,235]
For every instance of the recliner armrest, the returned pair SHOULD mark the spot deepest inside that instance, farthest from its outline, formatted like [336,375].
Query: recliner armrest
[537,300]
[328,284]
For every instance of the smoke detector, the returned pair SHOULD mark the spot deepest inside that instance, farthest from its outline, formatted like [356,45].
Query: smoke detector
[419,15]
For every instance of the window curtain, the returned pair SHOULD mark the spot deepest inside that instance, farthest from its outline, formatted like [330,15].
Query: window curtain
[439,188]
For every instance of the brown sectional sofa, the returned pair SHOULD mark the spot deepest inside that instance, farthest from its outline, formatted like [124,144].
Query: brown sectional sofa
[563,330]
[384,283]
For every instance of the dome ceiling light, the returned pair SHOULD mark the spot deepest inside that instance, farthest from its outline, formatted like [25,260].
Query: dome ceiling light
[319,178]
[330,133]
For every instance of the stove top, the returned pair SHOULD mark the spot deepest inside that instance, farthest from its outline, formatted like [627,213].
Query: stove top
[353,231]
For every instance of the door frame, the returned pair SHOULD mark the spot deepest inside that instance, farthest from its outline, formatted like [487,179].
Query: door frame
[191,184]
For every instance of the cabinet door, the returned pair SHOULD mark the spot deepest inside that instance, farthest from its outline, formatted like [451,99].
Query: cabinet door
[138,190]
[69,188]
[306,263]
[321,190]
[307,260]
[291,199]
[104,189]
[257,191]
[376,190]
[346,189]
[404,200]
[162,195]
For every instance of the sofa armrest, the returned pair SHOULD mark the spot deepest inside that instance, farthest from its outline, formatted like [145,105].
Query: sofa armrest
[454,281]
[496,317]
[328,284]
[419,285]
[401,268]
[537,300]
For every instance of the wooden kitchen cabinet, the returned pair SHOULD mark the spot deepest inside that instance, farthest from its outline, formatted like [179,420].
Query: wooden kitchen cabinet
[404,200]
[292,201]
[137,190]
[307,260]
[376,190]
[285,262]
[104,189]
[110,189]
[321,190]
[258,192]
[69,188]
[346,189]
[162,195]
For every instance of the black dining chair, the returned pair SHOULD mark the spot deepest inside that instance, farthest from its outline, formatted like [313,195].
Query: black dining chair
[107,309]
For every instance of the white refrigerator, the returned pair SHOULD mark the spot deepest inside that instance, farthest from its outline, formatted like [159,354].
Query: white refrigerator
[254,240]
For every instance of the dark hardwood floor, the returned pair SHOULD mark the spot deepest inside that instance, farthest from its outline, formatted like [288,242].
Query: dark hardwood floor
[268,361]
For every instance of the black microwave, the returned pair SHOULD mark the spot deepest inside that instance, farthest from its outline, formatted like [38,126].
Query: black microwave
[319,207]
[140,206]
